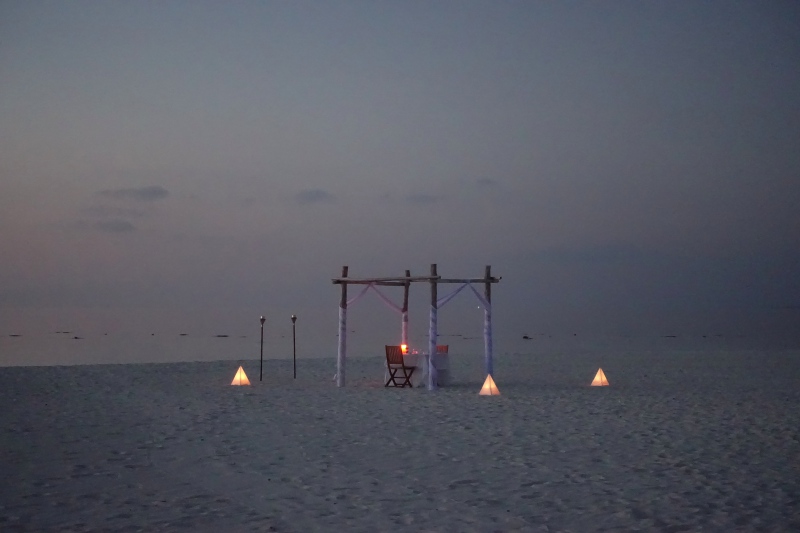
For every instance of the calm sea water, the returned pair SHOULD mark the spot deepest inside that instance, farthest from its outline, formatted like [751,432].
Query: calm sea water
[68,348]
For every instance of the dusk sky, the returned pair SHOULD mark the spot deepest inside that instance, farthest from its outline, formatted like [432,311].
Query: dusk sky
[624,166]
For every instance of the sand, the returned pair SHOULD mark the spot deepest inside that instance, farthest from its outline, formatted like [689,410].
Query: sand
[680,441]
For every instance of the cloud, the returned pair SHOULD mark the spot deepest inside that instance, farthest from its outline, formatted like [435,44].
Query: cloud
[313,196]
[115,225]
[608,253]
[102,211]
[138,194]
[423,199]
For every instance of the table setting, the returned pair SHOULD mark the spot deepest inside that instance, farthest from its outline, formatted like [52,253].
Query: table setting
[415,358]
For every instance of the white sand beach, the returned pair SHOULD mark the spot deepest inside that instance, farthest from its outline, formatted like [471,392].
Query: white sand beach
[680,441]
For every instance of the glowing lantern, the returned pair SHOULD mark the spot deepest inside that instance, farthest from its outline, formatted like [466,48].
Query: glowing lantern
[489,388]
[404,348]
[600,379]
[240,378]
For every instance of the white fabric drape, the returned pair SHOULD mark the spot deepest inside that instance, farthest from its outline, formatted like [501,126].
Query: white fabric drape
[487,339]
[430,369]
[404,329]
[445,299]
[481,298]
[360,295]
[385,299]
[432,336]
[487,322]
[342,355]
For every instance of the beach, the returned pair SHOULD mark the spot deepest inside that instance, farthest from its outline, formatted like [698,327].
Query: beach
[681,440]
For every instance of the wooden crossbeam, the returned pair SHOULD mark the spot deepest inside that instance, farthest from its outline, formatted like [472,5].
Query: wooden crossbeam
[470,280]
[401,280]
[367,282]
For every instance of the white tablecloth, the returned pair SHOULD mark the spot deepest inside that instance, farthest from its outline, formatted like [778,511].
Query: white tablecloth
[420,360]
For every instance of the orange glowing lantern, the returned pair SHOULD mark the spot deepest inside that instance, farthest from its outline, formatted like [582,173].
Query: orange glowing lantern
[404,348]
[600,379]
[240,378]
[489,388]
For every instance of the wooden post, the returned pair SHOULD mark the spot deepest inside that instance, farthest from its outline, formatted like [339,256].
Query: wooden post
[342,355]
[432,330]
[487,321]
[404,325]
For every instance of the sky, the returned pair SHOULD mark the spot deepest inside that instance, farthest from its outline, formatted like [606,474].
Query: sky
[624,166]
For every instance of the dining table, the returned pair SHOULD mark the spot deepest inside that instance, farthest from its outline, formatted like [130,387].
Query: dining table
[420,360]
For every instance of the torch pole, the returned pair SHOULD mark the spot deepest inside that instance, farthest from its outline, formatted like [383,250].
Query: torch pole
[261,368]
[294,347]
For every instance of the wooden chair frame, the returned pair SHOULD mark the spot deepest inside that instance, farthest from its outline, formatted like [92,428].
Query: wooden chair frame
[395,364]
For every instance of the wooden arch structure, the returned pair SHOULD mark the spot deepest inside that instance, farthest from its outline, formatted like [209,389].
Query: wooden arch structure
[434,279]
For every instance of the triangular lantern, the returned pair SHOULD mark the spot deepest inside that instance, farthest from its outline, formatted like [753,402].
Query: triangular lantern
[600,379]
[240,378]
[489,388]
